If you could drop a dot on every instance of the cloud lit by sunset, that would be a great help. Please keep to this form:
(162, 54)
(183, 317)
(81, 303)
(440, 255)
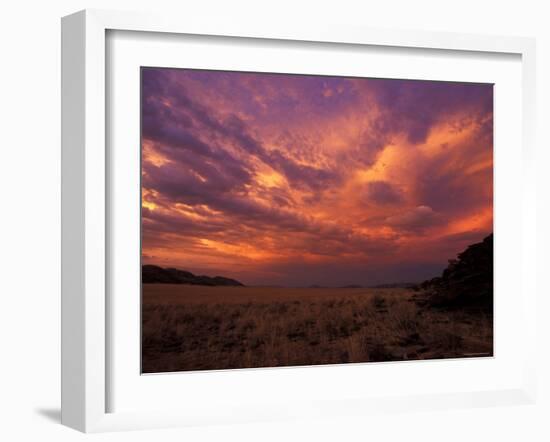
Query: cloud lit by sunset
(295, 180)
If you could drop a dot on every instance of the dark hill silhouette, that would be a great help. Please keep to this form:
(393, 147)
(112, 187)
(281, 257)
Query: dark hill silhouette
(467, 282)
(152, 274)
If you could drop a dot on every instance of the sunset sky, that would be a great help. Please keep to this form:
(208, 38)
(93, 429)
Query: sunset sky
(295, 180)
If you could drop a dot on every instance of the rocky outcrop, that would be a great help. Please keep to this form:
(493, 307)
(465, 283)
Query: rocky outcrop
(467, 282)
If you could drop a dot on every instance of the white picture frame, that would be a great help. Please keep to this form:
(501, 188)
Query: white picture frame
(85, 307)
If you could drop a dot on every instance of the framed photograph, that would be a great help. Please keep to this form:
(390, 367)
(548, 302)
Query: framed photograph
(262, 222)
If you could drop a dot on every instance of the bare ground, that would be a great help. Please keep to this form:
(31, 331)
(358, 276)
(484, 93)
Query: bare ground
(188, 327)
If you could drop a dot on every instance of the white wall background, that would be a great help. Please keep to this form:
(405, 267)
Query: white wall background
(30, 216)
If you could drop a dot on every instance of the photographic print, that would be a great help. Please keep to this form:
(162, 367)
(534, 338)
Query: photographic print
(292, 220)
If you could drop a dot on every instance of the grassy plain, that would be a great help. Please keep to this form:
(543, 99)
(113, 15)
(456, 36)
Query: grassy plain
(187, 327)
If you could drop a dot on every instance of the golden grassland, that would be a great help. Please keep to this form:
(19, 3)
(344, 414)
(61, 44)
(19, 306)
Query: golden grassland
(186, 327)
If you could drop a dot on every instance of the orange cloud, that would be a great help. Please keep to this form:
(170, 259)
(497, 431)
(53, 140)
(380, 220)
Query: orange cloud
(353, 180)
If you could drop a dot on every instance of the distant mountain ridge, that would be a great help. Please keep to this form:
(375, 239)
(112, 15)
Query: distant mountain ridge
(152, 274)
(394, 285)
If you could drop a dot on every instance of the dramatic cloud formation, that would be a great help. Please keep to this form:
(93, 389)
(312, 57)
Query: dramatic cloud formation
(299, 180)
